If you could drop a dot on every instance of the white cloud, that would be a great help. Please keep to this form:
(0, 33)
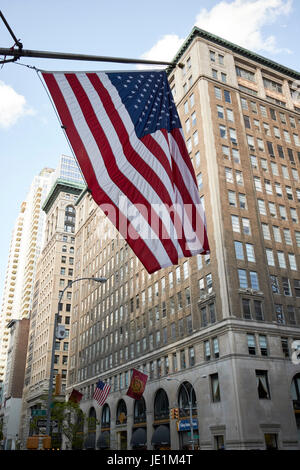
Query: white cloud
(165, 49)
(238, 21)
(241, 21)
(12, 106)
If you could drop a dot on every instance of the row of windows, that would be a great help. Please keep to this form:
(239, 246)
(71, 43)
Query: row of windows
(275, 115)
(264, 168)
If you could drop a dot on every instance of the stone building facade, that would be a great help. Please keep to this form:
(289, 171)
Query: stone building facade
(217, 334)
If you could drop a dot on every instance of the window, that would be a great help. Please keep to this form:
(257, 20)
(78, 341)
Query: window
(291, 315)
(281, 259)
(273, 114)
(245, 74)
(239, 177)
(279, 313)
(286, 286)
(270, 148)
(261, 207)
(215, 388)
(212, 56)
(270, 257)
(223, 132)
(274, 284)
(229, 114)
(191, 356)
(244, 103)
(207, 350)
(266, 231)
(247, 122)
(246, 226)
(216, 347)
(227, 96)
(271, 85)
(263, 345)
(294, 215)
(287, 236)
(239, 252)
(251, 344)
(250, 252)
(235, 223)
(232, 199)
(258, 310)
(262, 384)
(285, 347)
(246, 308)
(292, 261)
(257, 183)
(228, 175)
(220, 110)
(276, 232)
(218, 94)
(297, 287)
(242, 201)
(242, 273)
(254, 280)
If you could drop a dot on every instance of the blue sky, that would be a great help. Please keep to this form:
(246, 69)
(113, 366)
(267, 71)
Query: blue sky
(30, 135)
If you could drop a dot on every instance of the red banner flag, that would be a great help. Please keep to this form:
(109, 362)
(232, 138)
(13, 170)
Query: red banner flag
(75, 396)
(137, 384)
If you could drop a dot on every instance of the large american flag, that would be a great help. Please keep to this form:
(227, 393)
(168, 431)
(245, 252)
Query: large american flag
(127, 137)
(101, 391)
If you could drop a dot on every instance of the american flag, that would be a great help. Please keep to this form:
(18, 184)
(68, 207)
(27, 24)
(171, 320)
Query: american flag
(126, 135)
(101, 392)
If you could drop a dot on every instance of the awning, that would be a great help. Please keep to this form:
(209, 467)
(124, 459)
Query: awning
(161, 436)
(139, 437)
(103, 441)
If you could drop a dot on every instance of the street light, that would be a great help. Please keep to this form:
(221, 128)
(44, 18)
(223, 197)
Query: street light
(189, 394)
(70, 283)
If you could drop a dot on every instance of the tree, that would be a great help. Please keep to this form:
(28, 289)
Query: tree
(70, 422)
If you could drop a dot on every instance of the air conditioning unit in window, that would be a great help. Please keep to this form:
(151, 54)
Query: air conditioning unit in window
(251, 147)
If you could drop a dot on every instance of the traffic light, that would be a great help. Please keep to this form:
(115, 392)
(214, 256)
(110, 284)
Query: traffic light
(172, 414)
(176, 413)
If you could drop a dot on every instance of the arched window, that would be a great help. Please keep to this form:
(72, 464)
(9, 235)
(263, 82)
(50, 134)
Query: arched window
(186, 394)
(121, 417)
(140, 411)
(161, 405)
(295, 390)
(105, 418)
(69, 219)
(90, 441)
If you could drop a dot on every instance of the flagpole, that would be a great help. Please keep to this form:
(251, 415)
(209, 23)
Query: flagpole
(17, 53)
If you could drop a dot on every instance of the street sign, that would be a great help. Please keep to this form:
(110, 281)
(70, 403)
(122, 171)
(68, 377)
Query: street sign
(39, 413)
(184, 424)
(41, 423)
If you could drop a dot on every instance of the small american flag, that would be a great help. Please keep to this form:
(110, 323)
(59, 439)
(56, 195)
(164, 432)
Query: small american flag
(101, 392)
(127, 137)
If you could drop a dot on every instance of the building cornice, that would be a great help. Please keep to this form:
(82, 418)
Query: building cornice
(200, 33)
(61, 185)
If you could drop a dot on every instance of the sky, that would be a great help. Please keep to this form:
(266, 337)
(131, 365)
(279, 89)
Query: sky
(30, 135)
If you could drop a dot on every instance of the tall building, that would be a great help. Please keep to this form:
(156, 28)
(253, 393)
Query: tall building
(55, 268)
(215, 334)
(14, 380)
(25, 247)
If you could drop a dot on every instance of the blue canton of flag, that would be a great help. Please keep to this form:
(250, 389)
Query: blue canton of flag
(148, 100)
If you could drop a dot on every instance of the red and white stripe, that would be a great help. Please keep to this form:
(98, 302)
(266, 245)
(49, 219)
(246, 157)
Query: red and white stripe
(154, 173)
(101, 395)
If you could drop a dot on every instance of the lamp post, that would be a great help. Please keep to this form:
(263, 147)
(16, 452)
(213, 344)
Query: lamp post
(189, 395)
(70, 283)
